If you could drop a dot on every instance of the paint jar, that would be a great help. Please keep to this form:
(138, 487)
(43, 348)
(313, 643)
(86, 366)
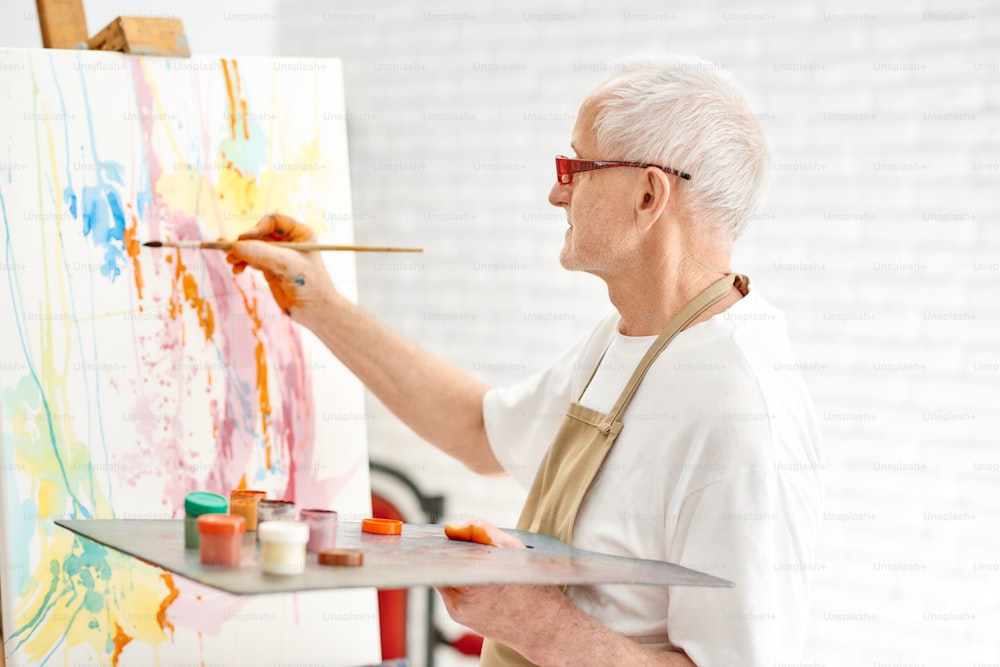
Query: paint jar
(283, 546)
(221, 537)
(274, 510)
(243, 502)
(196, 504)
(322, 528)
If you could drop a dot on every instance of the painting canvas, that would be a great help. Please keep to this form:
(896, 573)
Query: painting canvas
(130, 375)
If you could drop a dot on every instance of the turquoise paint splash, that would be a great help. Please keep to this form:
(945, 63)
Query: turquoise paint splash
(249, 156)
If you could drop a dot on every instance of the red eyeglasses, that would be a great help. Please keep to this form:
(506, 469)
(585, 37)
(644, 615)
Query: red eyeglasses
(567, 166)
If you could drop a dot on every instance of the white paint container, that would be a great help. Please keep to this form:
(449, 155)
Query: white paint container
(283, 546)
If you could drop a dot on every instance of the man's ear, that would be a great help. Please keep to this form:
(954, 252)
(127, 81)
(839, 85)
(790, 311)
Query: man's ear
(651, 198)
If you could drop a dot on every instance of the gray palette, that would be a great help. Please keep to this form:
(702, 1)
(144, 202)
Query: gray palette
(421, 556)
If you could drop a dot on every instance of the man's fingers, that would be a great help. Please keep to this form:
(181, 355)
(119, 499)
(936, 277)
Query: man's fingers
(483, 532)
(278, 227)
(272, 227)
(505, 540)
(268, 227)
(260, 255)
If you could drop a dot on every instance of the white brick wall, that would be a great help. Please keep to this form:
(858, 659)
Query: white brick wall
(881, 218)
(884, 210)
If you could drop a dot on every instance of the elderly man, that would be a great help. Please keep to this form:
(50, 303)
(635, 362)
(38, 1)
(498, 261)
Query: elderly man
(687, 436)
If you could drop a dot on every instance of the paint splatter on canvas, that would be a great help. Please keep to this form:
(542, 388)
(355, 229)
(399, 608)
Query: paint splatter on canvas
(129, 376)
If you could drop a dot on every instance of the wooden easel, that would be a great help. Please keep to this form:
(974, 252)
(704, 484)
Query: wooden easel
(64, 26)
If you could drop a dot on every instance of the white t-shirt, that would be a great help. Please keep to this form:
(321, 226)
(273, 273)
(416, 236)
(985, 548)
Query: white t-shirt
(718, 468)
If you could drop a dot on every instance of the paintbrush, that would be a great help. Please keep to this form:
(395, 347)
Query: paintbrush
(291, 245)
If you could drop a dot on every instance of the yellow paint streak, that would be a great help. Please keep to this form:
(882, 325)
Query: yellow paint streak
(47, 491)
(238, 194)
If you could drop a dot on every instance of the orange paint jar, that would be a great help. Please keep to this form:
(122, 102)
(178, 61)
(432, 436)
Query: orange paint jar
(221, 538)
(243, 502)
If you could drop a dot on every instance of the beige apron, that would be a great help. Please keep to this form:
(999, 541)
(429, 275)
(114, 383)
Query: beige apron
(580, 446)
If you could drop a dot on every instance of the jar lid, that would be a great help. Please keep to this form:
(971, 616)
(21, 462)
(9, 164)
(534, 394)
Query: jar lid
(197, 503)
(287, 532)
(341, 557)
(284, 504)
(380, 526)
(311, 513)
(221, 524)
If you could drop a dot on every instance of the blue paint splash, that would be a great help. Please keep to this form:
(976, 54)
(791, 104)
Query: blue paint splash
(100, 205)
(69, 198)
(104, 223)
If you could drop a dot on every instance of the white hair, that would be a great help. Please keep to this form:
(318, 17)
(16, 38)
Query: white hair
(691, 115)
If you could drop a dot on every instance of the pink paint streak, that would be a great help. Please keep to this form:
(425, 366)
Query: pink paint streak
(185, 358)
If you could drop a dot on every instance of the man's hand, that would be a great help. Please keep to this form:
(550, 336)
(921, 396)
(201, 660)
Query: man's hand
(502, 612)
(298, 280)
(540, 622)
(494, 611)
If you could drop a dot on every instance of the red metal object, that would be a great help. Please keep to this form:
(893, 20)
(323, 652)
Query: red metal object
(391, 603)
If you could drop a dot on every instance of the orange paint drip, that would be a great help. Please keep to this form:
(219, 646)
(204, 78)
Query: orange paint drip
(265, 400)
(262, 388)
(175, 305)
(175, 302)
(161, 615)
(206, 318)
(121, 640)
(252, 311)
(132, 247)
(184, 282)
(232, 100)
(243, 482)
(243, 112)
(243, 102)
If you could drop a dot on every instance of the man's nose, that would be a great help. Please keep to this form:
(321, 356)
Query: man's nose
(560, 194)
